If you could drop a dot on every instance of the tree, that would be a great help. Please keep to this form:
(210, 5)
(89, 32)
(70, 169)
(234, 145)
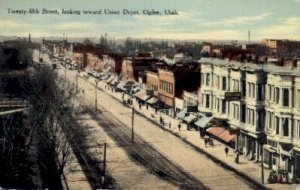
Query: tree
(51, 114)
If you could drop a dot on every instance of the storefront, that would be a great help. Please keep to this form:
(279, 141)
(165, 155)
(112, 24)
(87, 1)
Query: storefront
(189, 120)
(222, 134)
(297, 165)
(203, 123)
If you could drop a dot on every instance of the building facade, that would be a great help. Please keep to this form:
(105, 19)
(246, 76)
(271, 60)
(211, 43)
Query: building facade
(269, 105)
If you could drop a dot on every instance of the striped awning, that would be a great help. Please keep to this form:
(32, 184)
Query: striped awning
(222, 134)
(227, 136)
(215, 130)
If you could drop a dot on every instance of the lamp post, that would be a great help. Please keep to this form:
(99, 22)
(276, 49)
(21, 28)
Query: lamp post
(262, 139)
(96, 86)
(132, 125)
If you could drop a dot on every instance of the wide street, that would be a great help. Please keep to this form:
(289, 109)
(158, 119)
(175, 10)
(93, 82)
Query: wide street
(170, 147)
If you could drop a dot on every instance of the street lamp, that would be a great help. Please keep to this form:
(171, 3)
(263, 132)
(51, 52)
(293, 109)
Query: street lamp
(96, 86)
(262, 139)
(132, 125)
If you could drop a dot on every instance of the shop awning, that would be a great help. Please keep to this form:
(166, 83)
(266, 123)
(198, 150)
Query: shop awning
(190, 118)
(140, 95)
(152, 101)
(203, 121)
(111, 78)
(222, 133)
(226, 136)
(181, 115)
(105, 77)
(115, 80)
(121, 86)
(215, 130)
(286, 153)
(270, 148)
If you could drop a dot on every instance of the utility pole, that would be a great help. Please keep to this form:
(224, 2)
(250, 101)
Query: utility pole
(65, 72)
(132, 122)
(96, 81)
(77, 82)
(262, 163)
(104, 160)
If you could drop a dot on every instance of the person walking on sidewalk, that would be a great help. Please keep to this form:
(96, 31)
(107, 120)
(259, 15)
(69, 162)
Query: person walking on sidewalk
(226, 150)
(179, 126)
(170, 125)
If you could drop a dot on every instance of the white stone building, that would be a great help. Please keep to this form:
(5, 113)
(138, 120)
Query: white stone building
(269, 105)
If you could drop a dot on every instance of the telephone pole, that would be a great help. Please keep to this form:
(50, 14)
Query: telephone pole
(132, 124)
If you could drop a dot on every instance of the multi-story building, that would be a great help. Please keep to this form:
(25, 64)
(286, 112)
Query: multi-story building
(269, 104)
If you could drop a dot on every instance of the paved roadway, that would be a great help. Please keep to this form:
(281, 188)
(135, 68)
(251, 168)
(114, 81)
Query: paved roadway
(167, 148)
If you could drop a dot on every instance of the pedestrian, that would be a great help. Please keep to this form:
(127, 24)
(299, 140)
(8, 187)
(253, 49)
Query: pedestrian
(237, 158)
(179, 126)
(226, 150)
(82, 91)
(140, 106)
(205, 142)
(170, 125)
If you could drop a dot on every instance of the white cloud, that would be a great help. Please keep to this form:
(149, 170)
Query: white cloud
(216, 34)
(288, 29)
(74, 26)
(238, 20)
(12, 24)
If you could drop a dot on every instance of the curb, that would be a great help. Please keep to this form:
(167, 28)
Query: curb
(253, 183)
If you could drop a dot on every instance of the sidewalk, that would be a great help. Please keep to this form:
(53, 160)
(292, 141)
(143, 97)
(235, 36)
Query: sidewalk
(247, 169)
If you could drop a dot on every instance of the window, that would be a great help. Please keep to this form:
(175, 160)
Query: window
(207, 100)
(243, 113)
(249, 89)
(253, 90)
(270, 120)
(243, 88)
(298, 98)
(253, 117)
(260, 116)
(223, 83)
(259, 92)
(277, 95)
(223, 106)
(202, 78)
(285, 97)
(270, 91)
(277, 125)
(298, 127)
(285, 122)
(207, 79)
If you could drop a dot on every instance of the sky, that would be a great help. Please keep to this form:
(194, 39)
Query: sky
(196, 19)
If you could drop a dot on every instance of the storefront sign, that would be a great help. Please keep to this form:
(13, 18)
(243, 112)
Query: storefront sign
(232, 96)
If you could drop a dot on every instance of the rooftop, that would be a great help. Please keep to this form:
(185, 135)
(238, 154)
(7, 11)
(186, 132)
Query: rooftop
(251, 66)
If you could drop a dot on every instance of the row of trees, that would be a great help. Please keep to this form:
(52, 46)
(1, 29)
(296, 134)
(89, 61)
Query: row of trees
(48, 130)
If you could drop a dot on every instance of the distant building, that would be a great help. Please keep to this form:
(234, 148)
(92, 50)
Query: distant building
(283, 47)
